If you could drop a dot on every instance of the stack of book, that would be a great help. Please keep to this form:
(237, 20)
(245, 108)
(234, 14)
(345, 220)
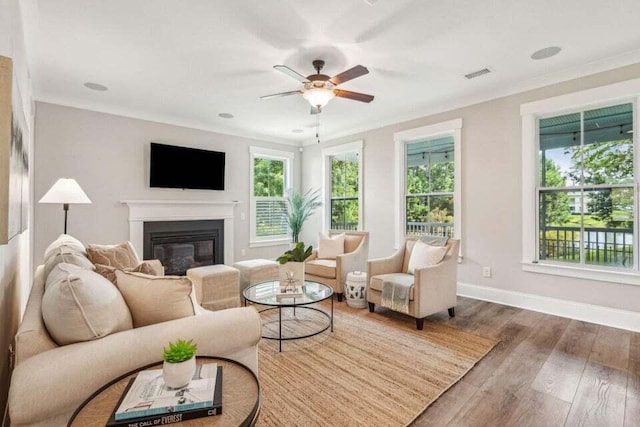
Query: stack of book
(146, 401)
(289, 291)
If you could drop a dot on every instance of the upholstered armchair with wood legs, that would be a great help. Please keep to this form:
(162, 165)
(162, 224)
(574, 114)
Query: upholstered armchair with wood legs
(332, 272)
(434, 288)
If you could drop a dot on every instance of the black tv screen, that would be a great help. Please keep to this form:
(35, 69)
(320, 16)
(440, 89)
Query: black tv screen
(182, 167)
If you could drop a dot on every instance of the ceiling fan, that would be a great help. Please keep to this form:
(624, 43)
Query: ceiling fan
(319, 88)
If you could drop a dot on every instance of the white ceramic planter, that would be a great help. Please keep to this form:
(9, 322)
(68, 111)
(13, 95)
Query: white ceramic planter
(178, 375)
(298, 272)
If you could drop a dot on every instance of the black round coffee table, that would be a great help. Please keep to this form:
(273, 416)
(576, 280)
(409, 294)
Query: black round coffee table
(266, 294)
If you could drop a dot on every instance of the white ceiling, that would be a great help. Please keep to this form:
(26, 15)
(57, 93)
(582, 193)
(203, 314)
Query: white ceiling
(183, 62)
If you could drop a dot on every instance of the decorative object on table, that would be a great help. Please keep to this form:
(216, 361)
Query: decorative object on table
(292, 261)
(355, 289)
(14, 156)
(68, 192)
(147, 401)
(299, 208)
(290, 287)
(179, 363)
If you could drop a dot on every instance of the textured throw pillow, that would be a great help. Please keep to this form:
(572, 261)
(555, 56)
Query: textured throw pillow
(65, 249)
(81, 305)
(118, 256)
(153, 299)
(424, 255)
(152, 267)
(330, 247)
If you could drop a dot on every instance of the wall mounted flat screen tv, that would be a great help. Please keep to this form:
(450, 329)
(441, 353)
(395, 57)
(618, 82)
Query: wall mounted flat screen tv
(182, 167)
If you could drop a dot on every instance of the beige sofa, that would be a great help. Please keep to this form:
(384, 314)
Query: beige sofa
(333, 272)
(50, 381)
(434, 288)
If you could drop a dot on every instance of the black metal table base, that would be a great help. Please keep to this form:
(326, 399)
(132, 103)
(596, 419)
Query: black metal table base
(280, 338)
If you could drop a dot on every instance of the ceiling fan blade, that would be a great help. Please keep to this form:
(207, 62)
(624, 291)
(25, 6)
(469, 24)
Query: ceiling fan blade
(315, 110)
(350, 74)
(356, 96)
(289, 72)
(278, 95)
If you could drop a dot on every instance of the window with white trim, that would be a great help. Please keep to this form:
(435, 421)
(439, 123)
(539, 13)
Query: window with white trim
(343, 187)
(428, 195)
(580, 177)
(270, 179)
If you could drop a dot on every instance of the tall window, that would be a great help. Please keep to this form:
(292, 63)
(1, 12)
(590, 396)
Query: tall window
(430, 182)
(342, 186)
(270, 178)
(586, 181)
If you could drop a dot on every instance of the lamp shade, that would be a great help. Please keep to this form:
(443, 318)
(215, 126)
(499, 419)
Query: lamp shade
(67, 191)
(318, 96)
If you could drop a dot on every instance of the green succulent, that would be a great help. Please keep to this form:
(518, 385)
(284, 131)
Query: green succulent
(297, 254)
(179, 351)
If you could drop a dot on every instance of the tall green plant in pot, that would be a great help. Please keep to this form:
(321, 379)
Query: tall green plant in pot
(299, 208)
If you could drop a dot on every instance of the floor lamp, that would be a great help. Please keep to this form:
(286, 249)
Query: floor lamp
(68, 192)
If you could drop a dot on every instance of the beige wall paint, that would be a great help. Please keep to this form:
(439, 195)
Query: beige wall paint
(491, 194)
(15, 270)
(109, 157)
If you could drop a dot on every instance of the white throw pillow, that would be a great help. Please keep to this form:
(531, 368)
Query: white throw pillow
(330, 247)
(66, 249)
(424, 255)
(81, 305)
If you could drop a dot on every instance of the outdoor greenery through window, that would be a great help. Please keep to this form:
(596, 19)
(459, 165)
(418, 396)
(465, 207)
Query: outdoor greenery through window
(269, 181)
(345, 180)
(586, 187)
(430, 187)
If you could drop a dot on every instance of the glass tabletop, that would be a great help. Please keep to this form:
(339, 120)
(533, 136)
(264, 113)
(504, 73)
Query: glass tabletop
(265, 294)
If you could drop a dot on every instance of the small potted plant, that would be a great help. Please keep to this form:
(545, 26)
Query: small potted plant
(179, 363)
(292, 263)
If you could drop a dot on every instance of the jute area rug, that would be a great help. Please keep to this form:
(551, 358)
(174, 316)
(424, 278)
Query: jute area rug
(375, 369)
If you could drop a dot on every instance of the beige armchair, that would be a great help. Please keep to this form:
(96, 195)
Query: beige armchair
(434, 288)
(333, 272)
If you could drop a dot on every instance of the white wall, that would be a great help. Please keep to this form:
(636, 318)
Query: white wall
(15, 271)
(491, 195)
(109, 157)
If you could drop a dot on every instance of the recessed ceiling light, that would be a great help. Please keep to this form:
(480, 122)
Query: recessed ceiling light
(96, 86)
(226, 115)
(545, 53)
(297, 130)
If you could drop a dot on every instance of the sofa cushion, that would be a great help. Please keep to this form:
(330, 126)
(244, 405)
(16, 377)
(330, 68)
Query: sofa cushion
(81, 305)
(155, 299)
(330, 247)
(376, 281)
(424, 255)
(119, 256)
(152, 267)
(321, 268)
(65, 249)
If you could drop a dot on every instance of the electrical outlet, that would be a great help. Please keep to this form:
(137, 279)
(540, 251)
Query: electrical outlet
(486, 271)
(243, 252)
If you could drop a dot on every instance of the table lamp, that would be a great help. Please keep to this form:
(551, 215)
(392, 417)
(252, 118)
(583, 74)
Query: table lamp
(68, 192)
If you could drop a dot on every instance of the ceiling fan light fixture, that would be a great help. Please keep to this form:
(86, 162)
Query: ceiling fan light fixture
(318, 96)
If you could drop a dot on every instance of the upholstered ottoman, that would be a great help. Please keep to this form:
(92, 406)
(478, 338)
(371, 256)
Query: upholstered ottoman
(256, 271)
(217, 286)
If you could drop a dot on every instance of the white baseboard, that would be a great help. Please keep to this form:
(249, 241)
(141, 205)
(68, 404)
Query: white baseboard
(616, 318)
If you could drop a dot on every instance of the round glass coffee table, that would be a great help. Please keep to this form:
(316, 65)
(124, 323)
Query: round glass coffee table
(266, 293)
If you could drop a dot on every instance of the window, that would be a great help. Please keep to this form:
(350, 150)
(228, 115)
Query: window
(270, 179)
(428, 181)
(579, 177)
(586, 187)
(342, 188)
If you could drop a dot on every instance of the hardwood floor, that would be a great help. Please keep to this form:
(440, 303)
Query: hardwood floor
(546, 371)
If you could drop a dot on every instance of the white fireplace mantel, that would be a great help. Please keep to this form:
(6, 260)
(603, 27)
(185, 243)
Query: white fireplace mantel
(141, 211)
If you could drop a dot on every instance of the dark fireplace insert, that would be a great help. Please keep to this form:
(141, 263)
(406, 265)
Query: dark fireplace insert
(181, 245)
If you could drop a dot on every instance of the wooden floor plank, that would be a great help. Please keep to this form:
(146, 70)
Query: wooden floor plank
(499, 397)
(600, 399)
(447, 406)
(611, 348)
(632, 410)
(561, 373)
(539, 409)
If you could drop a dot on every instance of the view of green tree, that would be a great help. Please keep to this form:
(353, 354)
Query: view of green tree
(268, 177)
(554, 206)
(344, 192)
